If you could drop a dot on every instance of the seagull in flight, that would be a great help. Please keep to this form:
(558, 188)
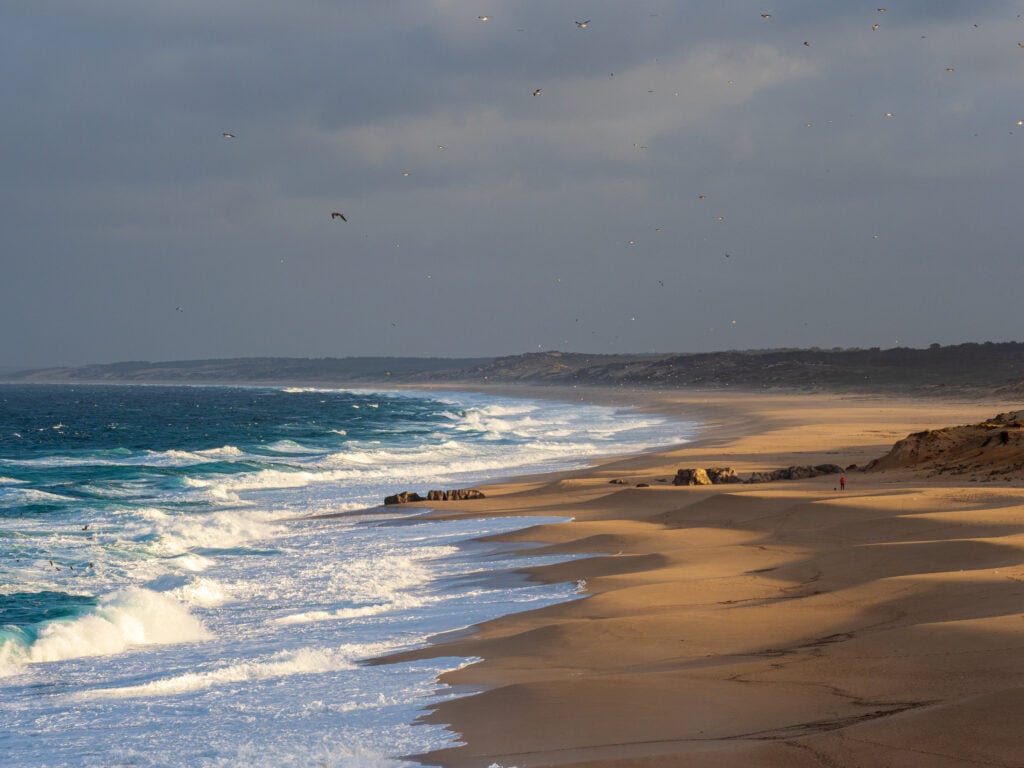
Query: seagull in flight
(337, 215)
(582, 24)
(228, 135)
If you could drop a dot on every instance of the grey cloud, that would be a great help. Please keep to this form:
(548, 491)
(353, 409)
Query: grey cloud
(120, 200)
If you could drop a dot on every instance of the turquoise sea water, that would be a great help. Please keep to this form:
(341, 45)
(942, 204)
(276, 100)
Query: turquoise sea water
(171, 594)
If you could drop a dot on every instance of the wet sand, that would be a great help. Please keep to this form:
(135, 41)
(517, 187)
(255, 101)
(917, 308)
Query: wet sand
(788, 623)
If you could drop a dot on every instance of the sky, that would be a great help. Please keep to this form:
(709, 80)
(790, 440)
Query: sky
(672, 176)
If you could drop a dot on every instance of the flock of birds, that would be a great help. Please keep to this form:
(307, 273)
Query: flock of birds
(584, 24)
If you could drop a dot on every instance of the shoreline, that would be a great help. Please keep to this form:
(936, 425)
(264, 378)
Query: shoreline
(765, 624)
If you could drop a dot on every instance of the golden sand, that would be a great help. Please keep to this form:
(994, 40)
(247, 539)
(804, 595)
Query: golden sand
(778, 624)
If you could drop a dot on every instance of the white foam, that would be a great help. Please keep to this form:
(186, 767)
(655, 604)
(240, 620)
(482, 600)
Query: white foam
(291, 447)
(203, 592)
(172, 458)
(379, 583)
(220, 493)
(252, 481)
(400, 602)
(129, 617)
(281, 664)
(192, 562)
(13, 495)
(224, 452)
(178, 458)
(179, 534)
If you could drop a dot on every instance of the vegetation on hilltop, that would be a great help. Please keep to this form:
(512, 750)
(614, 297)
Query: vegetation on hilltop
(938, 369)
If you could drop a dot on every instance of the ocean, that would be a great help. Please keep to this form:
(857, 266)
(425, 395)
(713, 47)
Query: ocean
(173, 594)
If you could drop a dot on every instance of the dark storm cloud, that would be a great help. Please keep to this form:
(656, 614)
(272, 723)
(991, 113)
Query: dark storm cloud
(862, 185)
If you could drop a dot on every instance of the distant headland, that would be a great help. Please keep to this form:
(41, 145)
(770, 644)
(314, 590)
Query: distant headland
(941, 370)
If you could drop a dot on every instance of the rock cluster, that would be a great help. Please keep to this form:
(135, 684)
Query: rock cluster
(457, 494)
(708, 476)
(403, 497)
(722, 475)
(794, 473)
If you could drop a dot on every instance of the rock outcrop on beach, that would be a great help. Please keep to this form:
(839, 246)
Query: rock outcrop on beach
(403, 498)
(723, 475)
(794, 473)
(456, 494)
(706, 476)
(992, 449)
(691, 476)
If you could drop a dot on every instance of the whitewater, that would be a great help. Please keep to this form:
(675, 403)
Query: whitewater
(197, 575)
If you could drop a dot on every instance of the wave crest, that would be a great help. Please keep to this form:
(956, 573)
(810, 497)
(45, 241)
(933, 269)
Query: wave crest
(129, 617)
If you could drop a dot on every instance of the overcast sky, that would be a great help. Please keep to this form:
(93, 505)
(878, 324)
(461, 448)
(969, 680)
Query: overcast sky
(691, 176)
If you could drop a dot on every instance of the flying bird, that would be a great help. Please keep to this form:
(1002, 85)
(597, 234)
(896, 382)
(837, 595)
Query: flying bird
(228, 135)
(766, 15)
(536, 92)
(484, 18)
(582, 24)
(337, 215)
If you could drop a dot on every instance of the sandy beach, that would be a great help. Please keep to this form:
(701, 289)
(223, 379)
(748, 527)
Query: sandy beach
(788, 623)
